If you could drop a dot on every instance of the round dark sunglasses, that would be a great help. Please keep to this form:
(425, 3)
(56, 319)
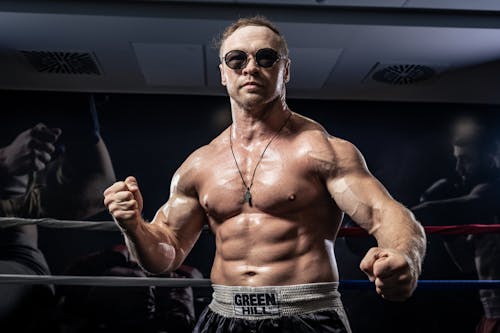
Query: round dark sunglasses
(237, 59)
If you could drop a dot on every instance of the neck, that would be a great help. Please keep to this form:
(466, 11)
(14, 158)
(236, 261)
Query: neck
(258, 122)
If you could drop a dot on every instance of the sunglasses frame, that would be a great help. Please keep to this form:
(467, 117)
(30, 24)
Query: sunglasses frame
(245, 63)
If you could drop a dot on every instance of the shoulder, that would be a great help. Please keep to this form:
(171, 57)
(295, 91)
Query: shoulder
(327, 153)
(325, 146)
(309, 129)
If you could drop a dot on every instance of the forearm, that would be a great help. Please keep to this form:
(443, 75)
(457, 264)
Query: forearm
(396, 228)
(152, 248)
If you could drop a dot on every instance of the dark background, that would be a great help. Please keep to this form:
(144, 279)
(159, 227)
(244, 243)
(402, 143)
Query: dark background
(406, 146)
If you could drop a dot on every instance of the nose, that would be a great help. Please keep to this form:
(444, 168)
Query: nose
(251, 66)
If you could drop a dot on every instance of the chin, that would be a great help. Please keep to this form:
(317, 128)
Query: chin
(251, 101)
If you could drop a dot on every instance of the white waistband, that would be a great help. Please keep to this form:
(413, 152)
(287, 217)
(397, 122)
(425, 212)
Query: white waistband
(254, 303)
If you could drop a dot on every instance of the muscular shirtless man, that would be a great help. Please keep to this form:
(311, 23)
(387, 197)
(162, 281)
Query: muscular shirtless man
(273, 188)
(471, 195)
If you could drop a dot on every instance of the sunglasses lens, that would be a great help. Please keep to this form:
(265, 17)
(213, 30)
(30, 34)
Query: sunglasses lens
(235, 59)
(266, 57)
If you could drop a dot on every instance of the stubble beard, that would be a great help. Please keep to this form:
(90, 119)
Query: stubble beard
(249, 101)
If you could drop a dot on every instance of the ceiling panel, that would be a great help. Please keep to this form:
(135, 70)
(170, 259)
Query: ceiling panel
(310, 67)
(171, 64)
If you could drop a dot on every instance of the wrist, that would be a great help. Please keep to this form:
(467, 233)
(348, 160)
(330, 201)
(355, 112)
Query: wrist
(131, 227)
(414, 264)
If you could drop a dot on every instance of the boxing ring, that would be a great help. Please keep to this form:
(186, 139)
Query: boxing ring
(7, 222)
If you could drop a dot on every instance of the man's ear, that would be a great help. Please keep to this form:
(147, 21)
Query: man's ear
(222, 75)
(286, 76)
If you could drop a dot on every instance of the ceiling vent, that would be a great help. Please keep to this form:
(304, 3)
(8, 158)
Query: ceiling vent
(58, 62)
(402, 74)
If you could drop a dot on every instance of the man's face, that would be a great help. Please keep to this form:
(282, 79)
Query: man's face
(471, 164)
(254, 85)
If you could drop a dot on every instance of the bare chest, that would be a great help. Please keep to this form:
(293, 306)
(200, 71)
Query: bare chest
(278, 184)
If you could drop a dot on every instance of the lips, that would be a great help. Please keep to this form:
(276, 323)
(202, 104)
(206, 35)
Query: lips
(251, 84)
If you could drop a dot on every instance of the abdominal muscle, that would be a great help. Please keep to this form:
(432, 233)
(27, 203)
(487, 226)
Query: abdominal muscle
(262, 250)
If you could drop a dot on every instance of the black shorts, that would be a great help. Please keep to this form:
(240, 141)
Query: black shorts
(321, 321)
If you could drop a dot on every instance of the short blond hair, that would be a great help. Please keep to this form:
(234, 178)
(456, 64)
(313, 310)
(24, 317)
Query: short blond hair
(259, 21)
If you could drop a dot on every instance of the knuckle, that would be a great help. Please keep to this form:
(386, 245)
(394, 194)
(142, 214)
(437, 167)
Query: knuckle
(125, 204)
(112, 207)
(119, 185)
(131, 204)
(109, 202)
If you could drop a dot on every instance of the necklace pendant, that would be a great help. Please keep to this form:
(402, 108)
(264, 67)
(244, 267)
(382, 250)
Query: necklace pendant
(248, 197)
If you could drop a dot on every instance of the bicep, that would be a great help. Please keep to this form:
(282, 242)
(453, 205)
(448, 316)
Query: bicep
(181, 219)
(355, 190)
(360, 195)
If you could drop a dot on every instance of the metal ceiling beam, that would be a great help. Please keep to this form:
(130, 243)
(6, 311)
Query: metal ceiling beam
(282, 13)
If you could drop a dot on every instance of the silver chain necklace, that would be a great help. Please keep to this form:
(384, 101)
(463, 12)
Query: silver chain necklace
(247, 197)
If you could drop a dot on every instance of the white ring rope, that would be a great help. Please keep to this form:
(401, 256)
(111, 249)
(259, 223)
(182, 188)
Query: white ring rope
(111, 281)
(7, 222)
(47, 222)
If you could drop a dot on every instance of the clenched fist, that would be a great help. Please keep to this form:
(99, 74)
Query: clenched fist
(394, 276)
(30, 151)
(124, 201)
